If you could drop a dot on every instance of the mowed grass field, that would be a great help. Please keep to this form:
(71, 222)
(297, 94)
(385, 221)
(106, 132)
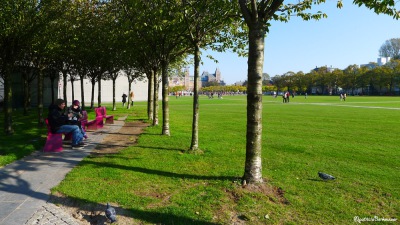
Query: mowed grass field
(158, 182)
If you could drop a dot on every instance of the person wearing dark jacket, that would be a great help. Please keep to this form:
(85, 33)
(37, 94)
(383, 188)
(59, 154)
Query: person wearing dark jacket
(75, 119)
(58, 120)
(124, 99)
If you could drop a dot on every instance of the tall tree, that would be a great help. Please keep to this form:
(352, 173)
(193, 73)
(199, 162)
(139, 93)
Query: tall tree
(393, 77)
(337, 74)
(299, 82)
(208, 22)
(170, 45)
(18, 24)
(28, 73)
(257, 16)
(22, 21)
(391, 48)
(351, 74)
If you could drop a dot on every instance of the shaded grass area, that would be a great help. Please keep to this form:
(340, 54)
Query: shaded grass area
(29, 136)
(158, 182)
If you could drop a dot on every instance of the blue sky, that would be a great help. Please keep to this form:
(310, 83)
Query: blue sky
(351, 35)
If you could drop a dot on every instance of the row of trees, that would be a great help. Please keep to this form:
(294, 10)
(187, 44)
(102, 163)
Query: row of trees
(97, 38)
(372, 79)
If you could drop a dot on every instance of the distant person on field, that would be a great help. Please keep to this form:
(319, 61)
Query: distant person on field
(131, 96)
(58, 119)
(124, 96)
(341, 96)
(287, 97)
(344, 97)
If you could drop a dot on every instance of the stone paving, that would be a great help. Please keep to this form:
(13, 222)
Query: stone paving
(51, 214)
(25, 184)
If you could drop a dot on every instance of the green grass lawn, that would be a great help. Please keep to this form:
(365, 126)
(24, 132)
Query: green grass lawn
(28, 137)
(158, 183)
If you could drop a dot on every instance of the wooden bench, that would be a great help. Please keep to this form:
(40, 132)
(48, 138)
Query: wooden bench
(54, 141)
(102, 112)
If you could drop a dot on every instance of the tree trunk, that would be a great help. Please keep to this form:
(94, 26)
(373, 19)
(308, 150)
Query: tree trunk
(52, 88)
(155, 101)
(82, 93)
(93, 81)
(253, 165)
(195, 123)
(29, 96)
(99, 91)
(150, 94)
(72, 89)
(165, 106)
(114, 105)
(129, 91)
(40, 98)
(27, 77)
(64, 73)
(8, 129)
(26, 94)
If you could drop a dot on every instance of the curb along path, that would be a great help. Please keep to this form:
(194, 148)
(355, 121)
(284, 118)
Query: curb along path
(25, 184)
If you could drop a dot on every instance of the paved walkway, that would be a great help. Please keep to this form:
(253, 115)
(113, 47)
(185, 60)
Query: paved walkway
(25, 184)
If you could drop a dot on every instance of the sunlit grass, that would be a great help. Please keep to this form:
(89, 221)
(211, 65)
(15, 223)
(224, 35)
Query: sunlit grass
(159, 183)
(358, 145)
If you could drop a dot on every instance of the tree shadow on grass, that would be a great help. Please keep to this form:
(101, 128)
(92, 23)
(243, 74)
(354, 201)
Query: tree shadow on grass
(161, 148)
(158, 172)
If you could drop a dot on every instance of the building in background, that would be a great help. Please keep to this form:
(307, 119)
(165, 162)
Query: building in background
(383, 60)
(187, 80)
(214, 78)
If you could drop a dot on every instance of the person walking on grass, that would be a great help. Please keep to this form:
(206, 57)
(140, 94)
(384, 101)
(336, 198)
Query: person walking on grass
(58, 119)
(131, 96)
(124, 99)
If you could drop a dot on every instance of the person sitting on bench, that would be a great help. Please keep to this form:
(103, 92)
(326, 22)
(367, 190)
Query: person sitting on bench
(58, 120)
(77, 114)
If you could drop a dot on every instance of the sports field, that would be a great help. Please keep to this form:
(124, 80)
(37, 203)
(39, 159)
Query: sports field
(357, 141)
